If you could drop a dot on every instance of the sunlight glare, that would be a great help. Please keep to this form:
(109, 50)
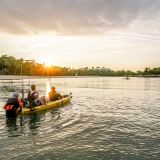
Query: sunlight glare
(47, 88)
(47, 61)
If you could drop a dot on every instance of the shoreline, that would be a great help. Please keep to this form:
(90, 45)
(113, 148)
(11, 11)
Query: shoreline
(19, 77)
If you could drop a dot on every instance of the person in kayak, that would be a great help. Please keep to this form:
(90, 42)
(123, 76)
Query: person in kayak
(33, 97)
(13, 105)
(53, 95)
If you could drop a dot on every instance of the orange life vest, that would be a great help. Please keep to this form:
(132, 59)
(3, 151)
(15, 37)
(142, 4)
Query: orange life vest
(12, 104)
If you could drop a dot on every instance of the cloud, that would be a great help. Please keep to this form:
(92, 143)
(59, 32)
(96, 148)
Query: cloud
(75, 17)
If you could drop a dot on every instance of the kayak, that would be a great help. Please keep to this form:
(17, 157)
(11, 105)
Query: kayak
(50, 105)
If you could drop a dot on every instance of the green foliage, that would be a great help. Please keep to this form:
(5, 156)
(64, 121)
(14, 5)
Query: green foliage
(12, 66)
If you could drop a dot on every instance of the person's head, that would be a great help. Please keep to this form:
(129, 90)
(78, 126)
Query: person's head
(53, 88)
(33, 87)
(15, 95)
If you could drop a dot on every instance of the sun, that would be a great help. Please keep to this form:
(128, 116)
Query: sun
(47, 61)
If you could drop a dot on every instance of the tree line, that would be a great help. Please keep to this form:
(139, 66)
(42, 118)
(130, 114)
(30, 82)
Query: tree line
(12, 66)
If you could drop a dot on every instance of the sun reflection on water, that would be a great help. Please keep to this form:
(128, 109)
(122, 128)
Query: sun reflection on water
(47, 88)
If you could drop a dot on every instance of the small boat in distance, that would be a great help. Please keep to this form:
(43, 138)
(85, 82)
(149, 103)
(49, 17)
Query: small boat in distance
(127, 78)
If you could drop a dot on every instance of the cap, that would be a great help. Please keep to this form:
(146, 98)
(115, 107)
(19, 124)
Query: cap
(15, 95)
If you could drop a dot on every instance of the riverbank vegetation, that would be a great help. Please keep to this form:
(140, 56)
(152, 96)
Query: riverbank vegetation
(12, 66)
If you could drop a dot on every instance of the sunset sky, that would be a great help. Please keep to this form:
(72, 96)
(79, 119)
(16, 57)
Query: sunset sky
(117, 34)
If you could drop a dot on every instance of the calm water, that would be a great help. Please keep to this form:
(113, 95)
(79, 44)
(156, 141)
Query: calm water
(108, 119)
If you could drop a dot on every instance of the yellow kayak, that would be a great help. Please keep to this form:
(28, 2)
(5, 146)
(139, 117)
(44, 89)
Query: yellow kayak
(49, 105)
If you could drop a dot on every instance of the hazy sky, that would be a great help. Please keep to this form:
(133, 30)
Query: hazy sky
(76, 33)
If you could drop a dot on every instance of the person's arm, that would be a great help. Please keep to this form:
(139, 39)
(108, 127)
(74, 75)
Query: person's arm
(36, 95)
(29, 94)
(60, 96)
(20, 105)
(4, 107)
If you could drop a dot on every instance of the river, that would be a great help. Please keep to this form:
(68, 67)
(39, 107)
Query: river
(109, 118)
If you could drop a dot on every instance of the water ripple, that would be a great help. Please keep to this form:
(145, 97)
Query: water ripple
(108, 118)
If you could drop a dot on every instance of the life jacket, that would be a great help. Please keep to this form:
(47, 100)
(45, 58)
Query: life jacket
(33, 96)
(12, 104)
